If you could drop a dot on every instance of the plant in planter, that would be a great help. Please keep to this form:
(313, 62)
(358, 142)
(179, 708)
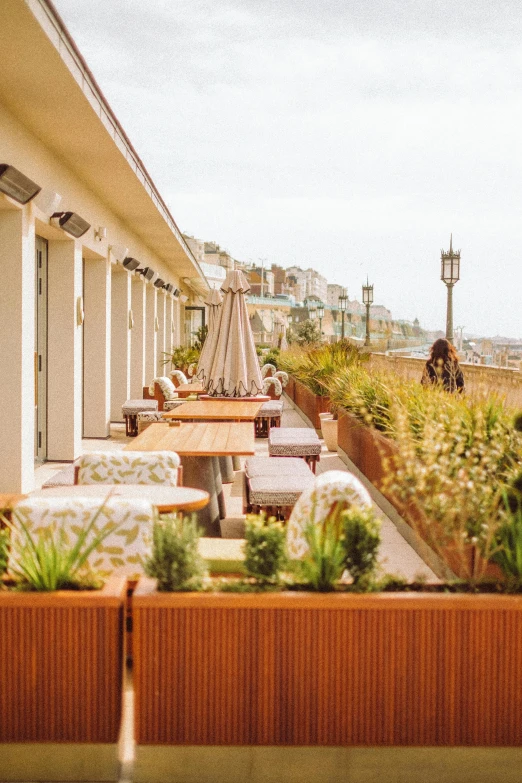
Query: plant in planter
(264, 549)
(361, 541)
(181, 358)
(174, 560)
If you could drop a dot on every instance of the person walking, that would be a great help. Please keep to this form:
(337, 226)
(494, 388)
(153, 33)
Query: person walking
(442, 368)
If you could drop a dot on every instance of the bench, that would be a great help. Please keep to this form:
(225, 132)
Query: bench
(300, 442)
(268, 416)
(274, 485)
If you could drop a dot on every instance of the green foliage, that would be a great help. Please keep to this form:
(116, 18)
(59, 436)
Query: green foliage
(324, 562)
(272, 357)
(175, 561)
(508, 538)
(200, 335)
(4, 546)
(264, 548)
(317, 367)
(304, 333)
(517, 422)
(181, 358)
(47, 560)
(361, 539)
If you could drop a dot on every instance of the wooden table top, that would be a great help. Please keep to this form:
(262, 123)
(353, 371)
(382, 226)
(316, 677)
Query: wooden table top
(184, 389)
(217, 410)
(165, 498)
(198, 439)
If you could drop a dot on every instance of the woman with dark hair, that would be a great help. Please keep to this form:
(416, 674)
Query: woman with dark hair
(442, 368)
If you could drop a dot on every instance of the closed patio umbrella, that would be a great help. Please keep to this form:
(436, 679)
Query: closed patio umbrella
(214, 301)
(279, 335)
(234, 370)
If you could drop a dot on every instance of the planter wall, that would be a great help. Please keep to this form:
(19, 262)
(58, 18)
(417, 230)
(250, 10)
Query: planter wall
(61, 671)
(311, 404)
(327, 670)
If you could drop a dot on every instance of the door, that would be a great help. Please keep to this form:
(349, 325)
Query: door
(194, 323)
(40, 352)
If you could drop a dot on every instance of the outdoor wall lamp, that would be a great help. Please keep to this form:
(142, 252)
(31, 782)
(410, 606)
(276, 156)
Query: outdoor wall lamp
(146, 272)
(75, 225)
(176, 293)
(169, 288)
(159, 283)
(130, 263)
(16, 185)
(100, 233)
(48, 201)
(119, 252)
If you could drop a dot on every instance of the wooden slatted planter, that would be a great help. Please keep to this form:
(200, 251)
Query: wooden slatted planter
(310, 404)
(341, 670)
(61, 673)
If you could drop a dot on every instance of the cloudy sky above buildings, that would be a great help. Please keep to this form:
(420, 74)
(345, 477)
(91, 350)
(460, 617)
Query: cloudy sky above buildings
(351, 136)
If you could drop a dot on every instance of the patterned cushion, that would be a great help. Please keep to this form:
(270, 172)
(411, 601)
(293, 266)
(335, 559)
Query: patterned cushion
(132, 407)
(268, 369)
(121, 553)
(272, 409)
(150, 416)
(293, 442)
(167, 387)
(178, 377)
(169, 405)
(278, 490)
(276, 466)
(129, 467)
(282, 377)
(314, 504)
(268, 383)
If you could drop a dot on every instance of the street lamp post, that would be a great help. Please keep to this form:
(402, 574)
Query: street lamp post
(450, 274)
(320, 315)
(343, 304)
(367, 295)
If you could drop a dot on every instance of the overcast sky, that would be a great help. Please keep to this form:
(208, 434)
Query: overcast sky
(349, 136)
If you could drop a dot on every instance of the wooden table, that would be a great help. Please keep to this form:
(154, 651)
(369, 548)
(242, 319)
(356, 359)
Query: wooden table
(166, 499)
(200, 444)
(185, 389)
(216, 410)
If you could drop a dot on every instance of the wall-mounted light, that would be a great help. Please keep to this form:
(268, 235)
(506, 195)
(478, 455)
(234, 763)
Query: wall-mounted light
(119, 251)
(100, 233)
(147, 273)
(176, 293)
(48, 201)
(80, 313)
(16, 185)
(169, 288)
(75, 225)
(183, 298)
(131, 319)
(159, 283)
(156, 324)
(131, 264)
(172, 326)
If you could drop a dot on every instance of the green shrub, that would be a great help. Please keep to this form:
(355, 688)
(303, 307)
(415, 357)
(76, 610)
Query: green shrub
(324, 562)
(264, 548)
(508, 538)
(272, 357)
(4, 546)
(361, 539)
(181, 358)
(175, 561)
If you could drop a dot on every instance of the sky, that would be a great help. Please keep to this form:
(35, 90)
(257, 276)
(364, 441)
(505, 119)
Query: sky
(350, 136)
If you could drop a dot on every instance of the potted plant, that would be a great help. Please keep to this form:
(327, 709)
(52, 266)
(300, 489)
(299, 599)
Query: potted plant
(61, 656)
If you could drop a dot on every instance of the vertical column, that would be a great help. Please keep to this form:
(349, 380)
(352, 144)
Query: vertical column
(137, 369)
(150, 333)
(64, 346)
(96, 348)
(170, 344)
(161, 336)
(120, 341)
(17, 367)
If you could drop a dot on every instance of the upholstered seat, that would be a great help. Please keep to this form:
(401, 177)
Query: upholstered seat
(276, 466)
(274, 485)
(295, 442)
(129, 467)
(269, 416)
(315, 503)
(121, 553)
(130, 410)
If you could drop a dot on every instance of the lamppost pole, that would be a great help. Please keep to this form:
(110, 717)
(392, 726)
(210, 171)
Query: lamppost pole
(320, 315)
(450, 274)
(367, 294)
(343, 303)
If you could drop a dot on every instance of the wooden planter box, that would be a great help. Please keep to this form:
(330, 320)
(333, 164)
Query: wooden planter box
(318, 672)
(310, 404)
(290, 388)
(61, 673)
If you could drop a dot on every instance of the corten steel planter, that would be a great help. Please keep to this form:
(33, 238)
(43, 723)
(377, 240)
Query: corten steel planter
(310, 404)
(325, 670)
(290, 388)
(61, 672)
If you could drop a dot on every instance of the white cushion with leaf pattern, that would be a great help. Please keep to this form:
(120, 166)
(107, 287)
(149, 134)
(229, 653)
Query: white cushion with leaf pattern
(282, 377)
(121, 553)
(267, 369)
(315, 503)
(129, 467)
(178, 377)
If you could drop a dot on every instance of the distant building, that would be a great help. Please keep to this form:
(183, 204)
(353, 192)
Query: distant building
(333, 292)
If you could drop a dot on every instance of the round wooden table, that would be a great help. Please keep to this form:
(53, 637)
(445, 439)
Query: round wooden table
(165, 499)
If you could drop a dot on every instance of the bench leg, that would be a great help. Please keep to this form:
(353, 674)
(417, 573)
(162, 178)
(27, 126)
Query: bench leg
(131, 425)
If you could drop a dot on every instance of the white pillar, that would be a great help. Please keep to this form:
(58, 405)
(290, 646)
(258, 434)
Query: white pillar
(150, 334)
(137, 372)
(65, 333)
(17, 366)
(161, 336)
(96, 348)
(120, 341)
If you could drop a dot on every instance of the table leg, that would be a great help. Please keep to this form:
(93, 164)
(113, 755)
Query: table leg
(227, 470)
(236, 463)
(204, 473)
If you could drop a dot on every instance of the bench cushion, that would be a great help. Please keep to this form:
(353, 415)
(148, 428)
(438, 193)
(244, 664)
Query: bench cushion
(278, 490)
(276, 466)
(132, 407)
(293, 442)
(274, 408)
(150, 416)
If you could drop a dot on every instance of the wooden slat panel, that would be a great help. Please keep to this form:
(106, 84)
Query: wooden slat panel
(230, 672)
(61, 668)
(217, 410)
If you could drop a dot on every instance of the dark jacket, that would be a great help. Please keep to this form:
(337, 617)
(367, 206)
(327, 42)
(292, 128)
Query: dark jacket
(449, 375)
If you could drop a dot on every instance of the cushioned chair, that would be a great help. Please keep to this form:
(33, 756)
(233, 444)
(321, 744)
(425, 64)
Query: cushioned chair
(121, 553)
(130, 410)
(129, 467)
(295, 442)
(269, 416)
(177, 377)
(273, 387)
(330, 487)
(161, 389)
(275, 485)
(267, 370)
